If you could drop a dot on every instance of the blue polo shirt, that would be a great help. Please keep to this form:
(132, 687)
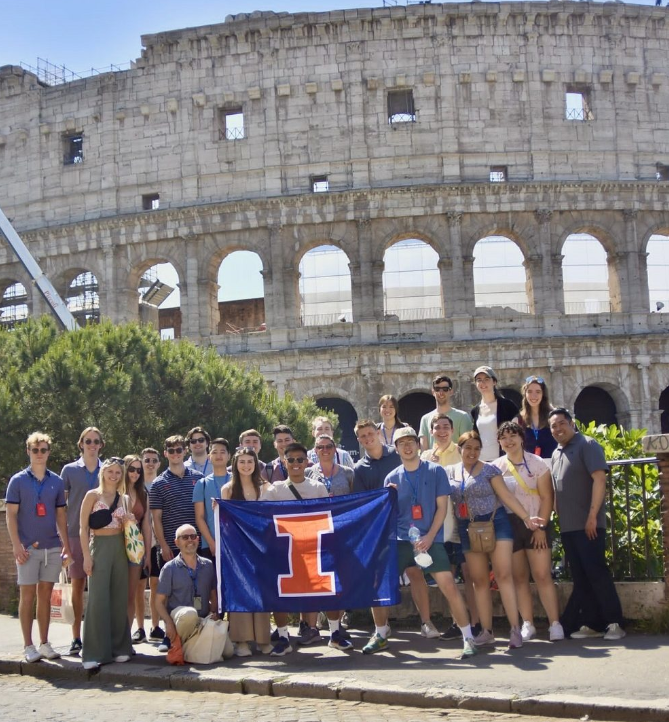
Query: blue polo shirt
(78, 481)
(180, 584)
(205, 490)
(174, 496)
(369, 474)
(27, 491)
(422, 487)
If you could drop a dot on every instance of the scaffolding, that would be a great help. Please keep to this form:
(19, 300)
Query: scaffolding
(50, 74)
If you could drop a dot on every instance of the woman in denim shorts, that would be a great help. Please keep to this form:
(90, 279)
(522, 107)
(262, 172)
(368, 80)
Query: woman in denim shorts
(476, 490)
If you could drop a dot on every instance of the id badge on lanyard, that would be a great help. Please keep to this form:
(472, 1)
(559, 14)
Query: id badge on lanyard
(416, 511)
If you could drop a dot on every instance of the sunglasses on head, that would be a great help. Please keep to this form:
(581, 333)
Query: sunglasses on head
(40, 450)
(296, 459)
(199, 440)
(95, 442)
(135, 469)
(116, 460)
(189, 537)
(174, 449)
(538, 379)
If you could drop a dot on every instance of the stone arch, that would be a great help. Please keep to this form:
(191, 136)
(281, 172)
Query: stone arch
(14, 302)
(656, 247)
(578, 278)
(81, 293)
(414, 405)
(148, 294)
(412, 285)
(595, 404)
(612, 388)
(513, 394)
(240, 293)
(477, 231)
(418, 234)
(502, 275)
(324, 285)
(348, 416)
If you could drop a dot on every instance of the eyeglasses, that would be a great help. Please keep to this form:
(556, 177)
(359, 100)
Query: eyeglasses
(116, 460)
(200, 440)
(44, 450)
(538, 379)
(296, 459)
(134, 469)
(150, 461)
(95, 442)
(442, 388)
(175, 450)
(328, 447)
(189, 537)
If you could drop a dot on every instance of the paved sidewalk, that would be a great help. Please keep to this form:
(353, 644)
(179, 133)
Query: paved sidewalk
(574, 678)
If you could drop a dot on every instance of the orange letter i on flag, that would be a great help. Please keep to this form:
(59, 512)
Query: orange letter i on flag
(304, 532)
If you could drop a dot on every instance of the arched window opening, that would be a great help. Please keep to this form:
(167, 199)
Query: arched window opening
(658, 273)
(325, 287)
(585, 275)
(499, 276)
(411, 281)
(348, 417)
(595, 404)
(83, 299)
(160, 299)
(414, 406)
(241, 293)
(13, 305)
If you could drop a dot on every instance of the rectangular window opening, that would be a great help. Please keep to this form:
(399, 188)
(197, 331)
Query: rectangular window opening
(578, 104)
(231, 124)
(167, 334)
(499, 173)
(320, 184)
(662, 172)
(73, 149)
(401, 108)
(151, 202)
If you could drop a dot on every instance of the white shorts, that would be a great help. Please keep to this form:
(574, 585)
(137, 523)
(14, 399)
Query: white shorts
(43, 565)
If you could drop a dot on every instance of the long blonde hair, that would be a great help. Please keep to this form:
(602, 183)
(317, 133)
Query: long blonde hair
(120, 488)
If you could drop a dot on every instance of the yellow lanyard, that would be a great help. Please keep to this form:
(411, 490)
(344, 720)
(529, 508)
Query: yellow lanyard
(520, 479)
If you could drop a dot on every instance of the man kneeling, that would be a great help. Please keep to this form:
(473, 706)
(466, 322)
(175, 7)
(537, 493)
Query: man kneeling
(186, 589)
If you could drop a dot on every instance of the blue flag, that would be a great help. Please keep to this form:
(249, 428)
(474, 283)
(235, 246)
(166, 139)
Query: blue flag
(308, 556)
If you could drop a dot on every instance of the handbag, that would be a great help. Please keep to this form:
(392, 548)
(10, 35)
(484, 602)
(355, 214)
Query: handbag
(61, 601)
(208, 643)
(134, 541)
(481, 533)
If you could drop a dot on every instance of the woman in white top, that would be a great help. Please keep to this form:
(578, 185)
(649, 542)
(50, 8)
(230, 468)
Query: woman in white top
(389, 410)
(528, 477)
(491, 412)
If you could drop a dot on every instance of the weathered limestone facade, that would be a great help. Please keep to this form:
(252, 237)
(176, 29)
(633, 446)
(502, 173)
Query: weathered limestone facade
(488, 83)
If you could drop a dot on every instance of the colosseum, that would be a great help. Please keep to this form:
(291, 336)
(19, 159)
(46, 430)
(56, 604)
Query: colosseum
(434, 130)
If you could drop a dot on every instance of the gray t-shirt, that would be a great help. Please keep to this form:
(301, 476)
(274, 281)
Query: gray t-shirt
(462, 421)
(572, 467)
(78, 481)
(180, 585)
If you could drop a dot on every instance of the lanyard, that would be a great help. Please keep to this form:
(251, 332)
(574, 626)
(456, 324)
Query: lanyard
(383, 429)
(193, 577)
(38, 486)
(417, 474)
(327, 480)
(519, 478)
(284, 470)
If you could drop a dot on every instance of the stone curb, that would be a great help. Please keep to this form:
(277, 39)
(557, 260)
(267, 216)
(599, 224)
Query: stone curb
(562, 706)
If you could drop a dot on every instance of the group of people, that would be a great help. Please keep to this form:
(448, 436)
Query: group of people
(511, 467)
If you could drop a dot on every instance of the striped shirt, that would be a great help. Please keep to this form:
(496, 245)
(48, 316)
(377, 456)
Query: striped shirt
(174, 496)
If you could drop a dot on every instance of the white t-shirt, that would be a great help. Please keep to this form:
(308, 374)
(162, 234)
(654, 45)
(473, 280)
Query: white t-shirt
(487, 426)
(537, 466)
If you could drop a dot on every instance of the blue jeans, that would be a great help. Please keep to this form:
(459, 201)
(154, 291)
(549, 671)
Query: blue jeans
(594, 601)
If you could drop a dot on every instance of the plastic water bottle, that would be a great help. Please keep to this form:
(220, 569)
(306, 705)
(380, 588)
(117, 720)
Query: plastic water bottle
(423, 559)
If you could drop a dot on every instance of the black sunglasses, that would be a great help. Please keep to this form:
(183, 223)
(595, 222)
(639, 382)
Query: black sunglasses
(296, 459)
(175, 450)
(200, 440)
(135, 469)
(96, 442)
(189, 537)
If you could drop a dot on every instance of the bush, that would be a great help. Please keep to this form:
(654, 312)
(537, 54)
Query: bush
(135, 387)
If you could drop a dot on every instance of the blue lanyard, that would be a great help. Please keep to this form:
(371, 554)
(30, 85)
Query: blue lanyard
(417, 474)
(38, 486)
(383, 429)
(193, 577)
(536, 433)
(524, 463)
(284, 470)
(327, 480)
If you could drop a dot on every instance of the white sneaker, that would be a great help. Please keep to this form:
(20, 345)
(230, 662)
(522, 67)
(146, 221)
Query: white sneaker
(428, 630)
(32, 654)
(242, 649)
(48, 652)
(529, 631)
(266, 648)
(613, 631)
(555, 632)
(586, 633)
(91, 665)
(122, 658)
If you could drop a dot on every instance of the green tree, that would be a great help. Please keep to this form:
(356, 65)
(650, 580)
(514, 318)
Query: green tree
(135, 387)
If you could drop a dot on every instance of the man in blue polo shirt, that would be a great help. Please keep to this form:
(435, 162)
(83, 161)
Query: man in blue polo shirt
(422, 496)
(79, 478)
(186, 588)
(171, 497)
(37, 526)
(378, 460)
(209, 488)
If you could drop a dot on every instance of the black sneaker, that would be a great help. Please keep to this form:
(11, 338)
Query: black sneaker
(453, 632)
(476, 629)
(164, 646)
(139, 636)
(274, 638)
(75, 647)
(157, 634)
